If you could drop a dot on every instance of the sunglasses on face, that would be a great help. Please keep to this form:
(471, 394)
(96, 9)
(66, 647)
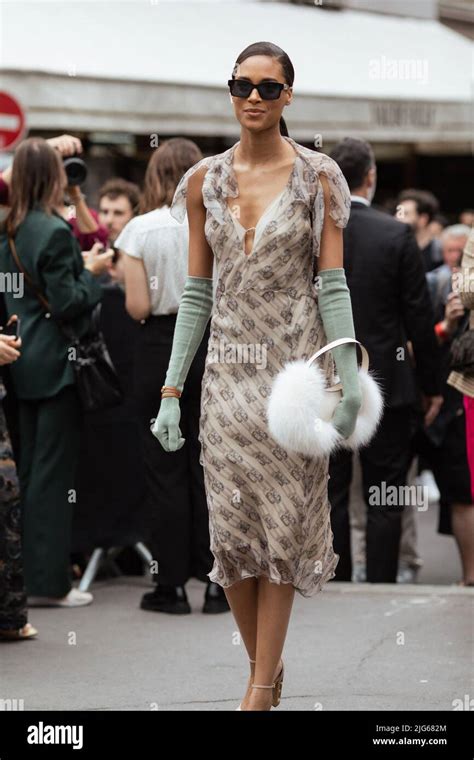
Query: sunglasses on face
(241, 88)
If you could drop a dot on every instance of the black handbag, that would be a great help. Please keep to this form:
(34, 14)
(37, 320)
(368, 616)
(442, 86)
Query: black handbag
(462, 351)
(97, 382)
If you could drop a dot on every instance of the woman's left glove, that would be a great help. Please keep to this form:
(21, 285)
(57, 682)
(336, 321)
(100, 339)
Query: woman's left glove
(336, 313)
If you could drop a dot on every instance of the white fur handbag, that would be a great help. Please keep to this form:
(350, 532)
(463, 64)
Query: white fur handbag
(300, 407)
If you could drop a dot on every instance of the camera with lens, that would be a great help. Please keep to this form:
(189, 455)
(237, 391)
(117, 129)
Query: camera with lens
(76, 170)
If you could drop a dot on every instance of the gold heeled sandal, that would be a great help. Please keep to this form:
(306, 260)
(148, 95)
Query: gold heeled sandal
(276, 686)
(240, 706)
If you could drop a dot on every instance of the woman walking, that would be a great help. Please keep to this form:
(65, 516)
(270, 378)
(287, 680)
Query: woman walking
(269, 211)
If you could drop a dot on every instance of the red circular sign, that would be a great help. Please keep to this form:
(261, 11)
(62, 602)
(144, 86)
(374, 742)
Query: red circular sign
(12, 121)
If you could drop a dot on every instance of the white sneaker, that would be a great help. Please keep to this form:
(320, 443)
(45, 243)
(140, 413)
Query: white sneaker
(74, 598)
(359, 573)
(407, 573)
(427, 481)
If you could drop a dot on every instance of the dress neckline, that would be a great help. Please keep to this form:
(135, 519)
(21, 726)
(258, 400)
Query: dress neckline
(262, 217)
(235, 186)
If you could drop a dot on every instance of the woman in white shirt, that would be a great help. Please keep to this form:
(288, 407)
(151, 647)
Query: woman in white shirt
(155, 268)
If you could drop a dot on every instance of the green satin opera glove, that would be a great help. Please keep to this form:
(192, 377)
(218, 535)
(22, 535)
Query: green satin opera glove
(195, 308)
(336, 313)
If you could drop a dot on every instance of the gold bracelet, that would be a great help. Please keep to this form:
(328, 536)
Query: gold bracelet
(168, 391)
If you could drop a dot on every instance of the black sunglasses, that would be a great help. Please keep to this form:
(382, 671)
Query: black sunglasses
(241, 88)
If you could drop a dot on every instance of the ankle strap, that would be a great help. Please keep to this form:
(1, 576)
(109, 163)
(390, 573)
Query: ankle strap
(257, 686)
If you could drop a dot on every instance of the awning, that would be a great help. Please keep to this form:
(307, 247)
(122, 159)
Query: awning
(161, 68)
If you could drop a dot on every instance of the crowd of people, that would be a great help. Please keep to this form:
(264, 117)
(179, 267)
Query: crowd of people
(71, 481)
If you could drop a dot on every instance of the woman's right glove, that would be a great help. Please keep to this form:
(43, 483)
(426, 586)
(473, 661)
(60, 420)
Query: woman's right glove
(195, 308)
(166, 427)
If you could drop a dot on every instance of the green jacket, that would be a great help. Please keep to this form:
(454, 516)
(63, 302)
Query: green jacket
(52, 257)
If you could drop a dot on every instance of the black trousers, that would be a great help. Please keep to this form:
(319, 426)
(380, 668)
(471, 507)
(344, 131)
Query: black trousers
(177, 508)
(49, 440)
(384, 462)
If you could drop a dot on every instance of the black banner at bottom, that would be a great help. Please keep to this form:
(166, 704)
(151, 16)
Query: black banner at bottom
(423, 734)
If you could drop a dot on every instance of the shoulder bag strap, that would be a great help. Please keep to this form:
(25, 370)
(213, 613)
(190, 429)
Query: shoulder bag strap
(27, 277)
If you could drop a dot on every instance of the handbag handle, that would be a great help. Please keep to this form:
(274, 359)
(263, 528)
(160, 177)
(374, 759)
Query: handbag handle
(339, 342)
(27, 277)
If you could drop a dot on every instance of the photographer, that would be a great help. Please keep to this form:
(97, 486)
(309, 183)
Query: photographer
(38, 242)
(84, 221)
(66, 145)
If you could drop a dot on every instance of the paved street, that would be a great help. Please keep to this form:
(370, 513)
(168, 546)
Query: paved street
(343, 652)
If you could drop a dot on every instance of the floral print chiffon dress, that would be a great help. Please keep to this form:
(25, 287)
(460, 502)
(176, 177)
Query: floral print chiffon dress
(269, 512)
